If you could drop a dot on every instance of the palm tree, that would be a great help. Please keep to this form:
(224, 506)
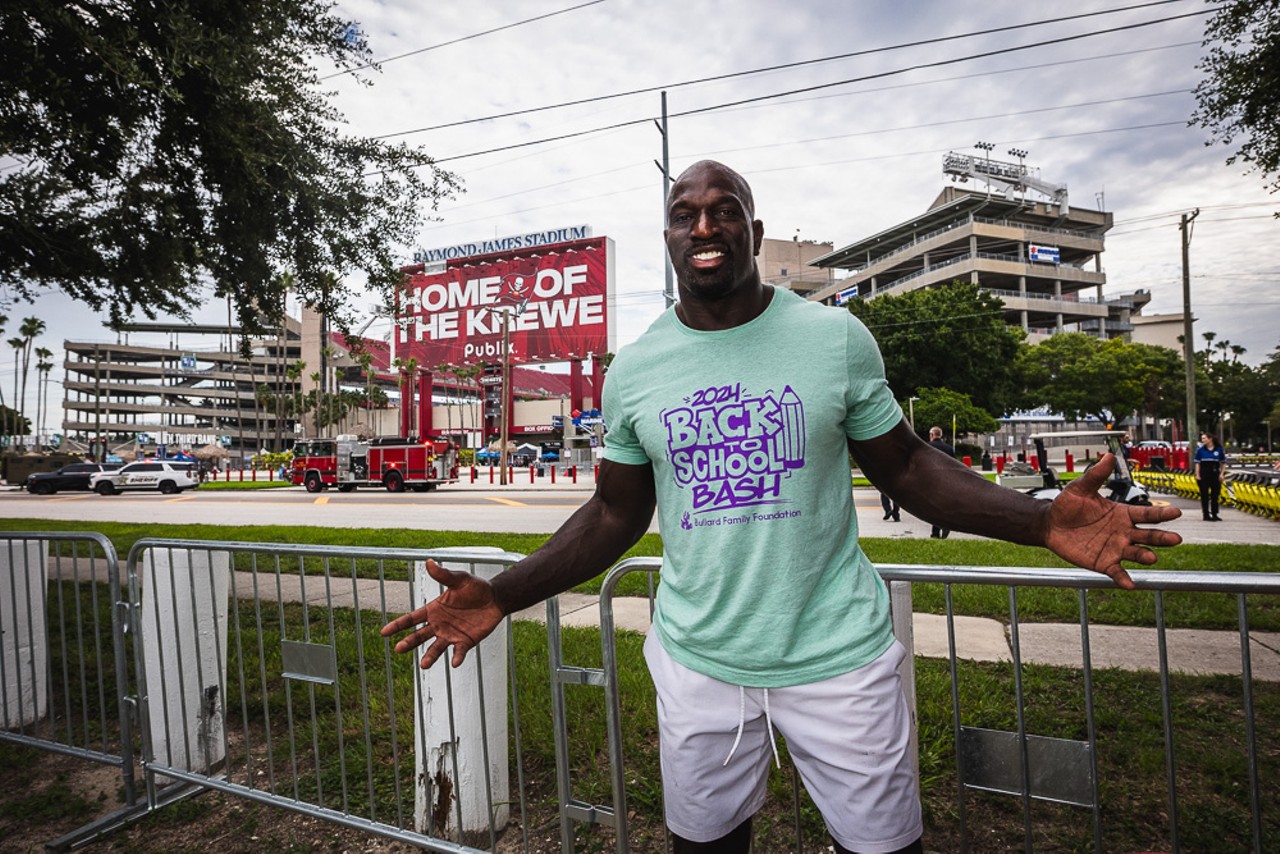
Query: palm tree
(246, 352)
(472, 373)
(4, 413)
(327, 354)
(445, 369)
(18, 345)
(365, 360)
(318, 402)
(30, 328)
(408, 370)
(43, 367)
(293, 373)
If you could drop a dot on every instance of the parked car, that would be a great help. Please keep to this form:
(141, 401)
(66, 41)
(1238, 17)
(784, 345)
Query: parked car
(1156, 444)
(167, 476)
(74, 476)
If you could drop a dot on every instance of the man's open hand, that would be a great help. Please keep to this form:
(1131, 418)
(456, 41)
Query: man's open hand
(1093, 532)
(462, 616)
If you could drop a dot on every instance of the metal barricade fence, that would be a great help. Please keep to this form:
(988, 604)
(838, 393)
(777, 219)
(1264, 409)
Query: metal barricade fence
(63, 660)
(1029, 767)
(262, 674)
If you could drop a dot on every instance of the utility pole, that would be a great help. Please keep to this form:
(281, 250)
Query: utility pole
(668, 290)
(100, 454)
(504, 430)
(1188, 341)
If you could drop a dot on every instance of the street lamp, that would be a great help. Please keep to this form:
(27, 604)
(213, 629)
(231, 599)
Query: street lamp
(911, 410)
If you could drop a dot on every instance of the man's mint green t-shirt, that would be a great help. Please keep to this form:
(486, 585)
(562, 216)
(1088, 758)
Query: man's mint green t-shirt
(763, 581)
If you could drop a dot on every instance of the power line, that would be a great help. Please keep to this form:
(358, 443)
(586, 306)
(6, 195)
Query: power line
(814, 88)
(770, 68)
(820, 164)
(578, 179)
(380, 62)
(943, 122)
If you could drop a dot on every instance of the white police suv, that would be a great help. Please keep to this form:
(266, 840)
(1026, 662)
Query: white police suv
(167, 476)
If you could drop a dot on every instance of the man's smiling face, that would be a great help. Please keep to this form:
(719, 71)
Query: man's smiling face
(711, 234)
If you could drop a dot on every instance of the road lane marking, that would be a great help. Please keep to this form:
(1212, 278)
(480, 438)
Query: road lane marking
(179, 498)
(505, 501)
(323, 499)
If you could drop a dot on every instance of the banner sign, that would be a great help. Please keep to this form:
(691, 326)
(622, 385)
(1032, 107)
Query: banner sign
(1044, 254)
(557, 304)
(501, 244)
(847, 294)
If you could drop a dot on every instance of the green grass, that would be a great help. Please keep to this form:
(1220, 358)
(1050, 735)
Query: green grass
(248, 484)
(314, 757)
(309, 760)
(1183, 610)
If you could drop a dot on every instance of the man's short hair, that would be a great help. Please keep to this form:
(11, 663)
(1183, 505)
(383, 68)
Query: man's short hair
(935, 432)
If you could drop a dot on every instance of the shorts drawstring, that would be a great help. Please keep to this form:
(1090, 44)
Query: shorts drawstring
(768, 722)
(742, 722)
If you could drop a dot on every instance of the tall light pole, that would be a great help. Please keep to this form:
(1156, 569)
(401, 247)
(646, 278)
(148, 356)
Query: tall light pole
(911, 411)
(986, 147)
(504, 426)
(1021, 154)
(1188, 341)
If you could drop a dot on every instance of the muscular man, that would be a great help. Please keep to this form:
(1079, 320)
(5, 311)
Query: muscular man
(768, 614)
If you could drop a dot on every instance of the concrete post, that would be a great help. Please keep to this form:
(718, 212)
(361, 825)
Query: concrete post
(24, 653)
(445, 739)
(184, 637)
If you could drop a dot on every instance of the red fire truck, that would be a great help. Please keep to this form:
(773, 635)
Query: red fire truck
(392, 462)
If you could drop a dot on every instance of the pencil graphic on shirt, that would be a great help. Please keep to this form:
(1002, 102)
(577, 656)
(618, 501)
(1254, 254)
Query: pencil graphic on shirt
(789, 443)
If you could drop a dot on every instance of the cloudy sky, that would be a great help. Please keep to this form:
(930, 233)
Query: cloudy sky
(837, 111)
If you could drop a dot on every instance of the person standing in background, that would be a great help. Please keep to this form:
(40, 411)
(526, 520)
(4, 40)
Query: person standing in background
(936, 440)
(1209, 460)
(891, 510)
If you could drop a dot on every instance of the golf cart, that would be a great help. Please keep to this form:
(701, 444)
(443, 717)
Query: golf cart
(1046, 484)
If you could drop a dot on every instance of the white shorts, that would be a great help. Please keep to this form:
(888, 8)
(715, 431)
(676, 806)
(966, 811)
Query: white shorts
(849, 737)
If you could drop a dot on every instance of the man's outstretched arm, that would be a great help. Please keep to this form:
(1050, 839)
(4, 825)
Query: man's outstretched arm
(587, 544)
(1080, 526)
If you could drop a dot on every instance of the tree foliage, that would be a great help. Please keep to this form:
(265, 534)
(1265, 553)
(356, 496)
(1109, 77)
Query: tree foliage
(1232, 398)
(1163, 378)
(938, 406)
(1080, 376)
(952, 337)
(1238, 101)
(158, 146)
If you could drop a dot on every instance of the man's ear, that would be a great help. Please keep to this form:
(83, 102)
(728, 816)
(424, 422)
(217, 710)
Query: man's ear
(757, 226)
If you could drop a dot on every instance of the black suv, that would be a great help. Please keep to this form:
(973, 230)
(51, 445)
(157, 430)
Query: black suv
(74, 476)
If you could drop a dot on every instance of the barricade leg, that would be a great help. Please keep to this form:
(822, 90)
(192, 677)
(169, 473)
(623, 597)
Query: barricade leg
(24, 652)
(460, 727)
(184, 648)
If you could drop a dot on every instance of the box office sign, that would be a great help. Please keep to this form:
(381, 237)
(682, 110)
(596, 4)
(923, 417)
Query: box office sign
(559, 303)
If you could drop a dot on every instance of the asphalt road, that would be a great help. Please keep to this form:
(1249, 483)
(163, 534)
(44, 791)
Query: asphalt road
(446, 509)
